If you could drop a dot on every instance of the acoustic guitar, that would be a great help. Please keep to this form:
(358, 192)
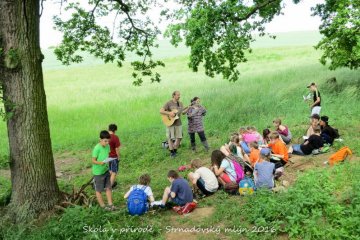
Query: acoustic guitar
(167, 120)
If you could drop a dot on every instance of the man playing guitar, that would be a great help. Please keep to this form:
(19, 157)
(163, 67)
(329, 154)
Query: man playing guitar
(171, 110)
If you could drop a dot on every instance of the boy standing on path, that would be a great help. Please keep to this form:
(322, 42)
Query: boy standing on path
(114, 144)
(100, 170)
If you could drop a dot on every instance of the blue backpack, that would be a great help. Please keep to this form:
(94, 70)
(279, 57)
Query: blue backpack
(246, 186)
(137, 201)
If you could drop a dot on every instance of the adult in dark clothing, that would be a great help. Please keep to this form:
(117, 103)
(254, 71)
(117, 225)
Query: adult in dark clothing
(315, 141)
(327, 132)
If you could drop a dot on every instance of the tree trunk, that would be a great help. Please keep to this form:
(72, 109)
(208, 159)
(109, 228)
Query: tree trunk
(34, 185)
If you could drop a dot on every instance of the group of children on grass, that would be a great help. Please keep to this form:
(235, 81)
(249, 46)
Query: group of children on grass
(261, 156)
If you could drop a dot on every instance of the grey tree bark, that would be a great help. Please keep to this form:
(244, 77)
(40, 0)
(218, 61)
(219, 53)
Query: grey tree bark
(34, 185)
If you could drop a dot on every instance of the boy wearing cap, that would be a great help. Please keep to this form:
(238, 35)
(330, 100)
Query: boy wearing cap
(264, 170)
(316, 106)
(327, 132)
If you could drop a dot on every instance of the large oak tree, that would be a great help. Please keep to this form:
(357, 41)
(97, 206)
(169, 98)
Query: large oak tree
(219, 33)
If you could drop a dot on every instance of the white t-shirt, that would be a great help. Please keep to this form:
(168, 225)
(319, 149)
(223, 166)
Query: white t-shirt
(147, 190)
(211, 183)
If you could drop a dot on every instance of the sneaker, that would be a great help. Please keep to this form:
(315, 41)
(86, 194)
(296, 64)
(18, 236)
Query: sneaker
(173, 154)
(315, 152)
(157, 205)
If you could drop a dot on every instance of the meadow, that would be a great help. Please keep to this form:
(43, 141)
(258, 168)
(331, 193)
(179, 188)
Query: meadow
(83, 99)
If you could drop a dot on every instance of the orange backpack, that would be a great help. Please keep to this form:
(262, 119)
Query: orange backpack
(339, 156)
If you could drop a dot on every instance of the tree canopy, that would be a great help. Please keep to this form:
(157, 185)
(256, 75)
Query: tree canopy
(218, 33)
(341, 29)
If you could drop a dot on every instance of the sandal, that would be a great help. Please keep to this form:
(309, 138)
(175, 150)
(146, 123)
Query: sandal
(110, 208)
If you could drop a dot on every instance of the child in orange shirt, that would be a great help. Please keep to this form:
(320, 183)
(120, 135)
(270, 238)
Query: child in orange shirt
(278, 149)
(254, 153)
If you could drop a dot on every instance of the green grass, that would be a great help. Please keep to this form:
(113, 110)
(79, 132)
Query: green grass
(84, 99)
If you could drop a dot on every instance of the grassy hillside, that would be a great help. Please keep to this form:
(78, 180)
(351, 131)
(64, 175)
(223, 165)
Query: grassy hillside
(82, 100)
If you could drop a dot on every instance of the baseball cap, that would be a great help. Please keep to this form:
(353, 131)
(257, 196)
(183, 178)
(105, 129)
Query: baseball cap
(311, 84)
(265, 151)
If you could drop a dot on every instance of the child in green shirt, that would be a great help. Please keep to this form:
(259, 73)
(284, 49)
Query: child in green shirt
(100, 170)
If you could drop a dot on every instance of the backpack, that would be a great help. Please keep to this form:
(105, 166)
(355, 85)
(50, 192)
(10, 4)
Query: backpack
(238, 169)
(340, 155)
(187, 208)
(246, 186)
(137, 201)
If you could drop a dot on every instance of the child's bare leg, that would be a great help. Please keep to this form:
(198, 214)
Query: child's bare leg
(112, 177)
(100, 199)
(109, 196)
(221, 181)
(225, 150)
(166, 195)
(191, 177)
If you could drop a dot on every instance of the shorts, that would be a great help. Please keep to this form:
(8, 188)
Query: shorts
(177, 201)
(114, 166)
(174, 132)
(201, 185)
(315, 110)
(225, 178)
(102, 181)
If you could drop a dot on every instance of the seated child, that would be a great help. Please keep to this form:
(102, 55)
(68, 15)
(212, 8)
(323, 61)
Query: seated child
(179, 192)
(259, 138)
(248, 136)
(144, 181)
(222, 167)
(264, 170)
(315, 118)
(234, 147)
(283, 131)
(327, 132)
(101, 172)
(203, 178)
(315, 141)
(278, 149)
(255, 153)
(266, 133)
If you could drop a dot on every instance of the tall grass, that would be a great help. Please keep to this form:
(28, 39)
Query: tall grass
(84, 100)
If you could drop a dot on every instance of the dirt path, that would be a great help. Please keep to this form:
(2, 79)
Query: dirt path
(178, 231)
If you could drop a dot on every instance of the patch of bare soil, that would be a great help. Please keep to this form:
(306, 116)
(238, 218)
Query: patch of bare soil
(180, 230)
(64, 163)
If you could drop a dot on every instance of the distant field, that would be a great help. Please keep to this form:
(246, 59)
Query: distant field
(166, 50)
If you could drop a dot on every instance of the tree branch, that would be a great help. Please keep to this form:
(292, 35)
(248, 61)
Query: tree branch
(254, 10)
(126, 9)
